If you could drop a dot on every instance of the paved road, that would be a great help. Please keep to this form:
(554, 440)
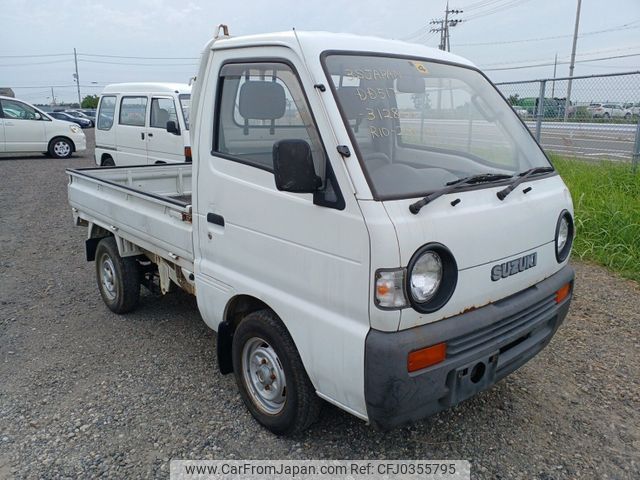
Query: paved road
(591, 140)
(583, 140)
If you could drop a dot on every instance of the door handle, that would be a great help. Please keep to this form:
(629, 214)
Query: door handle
(9, 124)
(214, 218)
(149, 134)
(142, 135)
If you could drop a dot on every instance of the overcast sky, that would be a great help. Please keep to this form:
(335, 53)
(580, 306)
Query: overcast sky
(178, 28)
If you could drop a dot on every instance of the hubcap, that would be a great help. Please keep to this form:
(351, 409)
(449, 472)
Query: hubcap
(61, 148)
(264, 376)
(108, 276)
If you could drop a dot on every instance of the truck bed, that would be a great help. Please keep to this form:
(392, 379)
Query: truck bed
(148, 205)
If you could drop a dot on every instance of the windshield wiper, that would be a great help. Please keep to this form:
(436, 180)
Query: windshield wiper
(522, 176)
(454, 185)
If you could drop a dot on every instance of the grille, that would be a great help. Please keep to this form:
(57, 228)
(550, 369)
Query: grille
(512, 327)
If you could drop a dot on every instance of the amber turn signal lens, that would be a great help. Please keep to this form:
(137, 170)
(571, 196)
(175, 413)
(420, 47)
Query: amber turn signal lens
(187, 154)
(563, 293)
(425, 357)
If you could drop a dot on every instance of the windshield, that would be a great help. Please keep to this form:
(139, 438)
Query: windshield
(418, 124)
(185, 103)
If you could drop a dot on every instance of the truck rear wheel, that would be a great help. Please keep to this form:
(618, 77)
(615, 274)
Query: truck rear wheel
(272, 380)
(118, 278)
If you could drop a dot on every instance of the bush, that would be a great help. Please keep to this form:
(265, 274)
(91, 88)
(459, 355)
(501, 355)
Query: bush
(606, 198)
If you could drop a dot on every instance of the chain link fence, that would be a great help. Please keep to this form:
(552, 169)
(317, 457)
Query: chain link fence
(599, 120)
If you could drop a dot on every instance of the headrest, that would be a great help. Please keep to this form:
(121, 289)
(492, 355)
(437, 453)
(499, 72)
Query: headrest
(262, 100)
(352, 104)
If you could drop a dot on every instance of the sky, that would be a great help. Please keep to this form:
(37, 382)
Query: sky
(37, 37)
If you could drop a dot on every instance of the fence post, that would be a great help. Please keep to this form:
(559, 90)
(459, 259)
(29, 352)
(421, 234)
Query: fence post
(540, 110)
(635, 159)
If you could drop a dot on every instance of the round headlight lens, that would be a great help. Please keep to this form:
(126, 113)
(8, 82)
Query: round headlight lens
(563, 234)
(426, 276)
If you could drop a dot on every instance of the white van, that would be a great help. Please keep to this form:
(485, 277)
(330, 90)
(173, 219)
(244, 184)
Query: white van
(365, 221)
(24, 128)
(143, 123)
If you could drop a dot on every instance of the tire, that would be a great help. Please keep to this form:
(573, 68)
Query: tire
(278, 393)
(108, 162)
(118, 278)
(60, 147)
(606, 115)
(627, 116)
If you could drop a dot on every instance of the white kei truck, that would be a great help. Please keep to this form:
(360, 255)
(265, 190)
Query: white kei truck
(365, 221)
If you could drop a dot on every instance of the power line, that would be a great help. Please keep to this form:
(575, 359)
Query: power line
(626, 26)
(136, 58)
(38, 56)
(140, 64)
(32, 63)
(561, 63)
(497, 8)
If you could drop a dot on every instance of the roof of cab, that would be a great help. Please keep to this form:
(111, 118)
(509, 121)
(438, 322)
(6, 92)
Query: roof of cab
(314, 43)
(147, 87)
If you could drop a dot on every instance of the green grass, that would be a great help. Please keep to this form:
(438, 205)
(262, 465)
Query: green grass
(606, 198)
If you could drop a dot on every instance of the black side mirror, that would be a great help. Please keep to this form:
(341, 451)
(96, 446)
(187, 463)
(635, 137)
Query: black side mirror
(293, 167)
(173, 128)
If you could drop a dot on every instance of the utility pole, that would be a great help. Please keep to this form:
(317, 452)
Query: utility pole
(553, 84)
(450, 23)
(439, 29)
(53, 97)
(567, 103)
(77, 77)
(443, 27)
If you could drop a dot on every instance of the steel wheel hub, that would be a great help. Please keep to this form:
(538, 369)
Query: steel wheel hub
(107, 271)
(264, 376)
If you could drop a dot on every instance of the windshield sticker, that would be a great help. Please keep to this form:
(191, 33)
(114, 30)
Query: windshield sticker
(420, 67)
(371, 74)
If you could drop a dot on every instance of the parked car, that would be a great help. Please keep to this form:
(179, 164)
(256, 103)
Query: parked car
(634, 108)
(152, 124)
(393, 277)
(81, 122)
(89, 112)
(79, 114)
(608, 110)
(24, 128)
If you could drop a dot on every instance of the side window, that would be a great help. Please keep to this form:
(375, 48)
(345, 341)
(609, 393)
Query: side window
(259, 105)
(18, 110)
(163, 110)
(133, 111)
(106, 112)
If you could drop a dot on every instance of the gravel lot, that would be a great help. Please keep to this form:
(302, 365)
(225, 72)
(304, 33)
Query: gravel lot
(86, 393)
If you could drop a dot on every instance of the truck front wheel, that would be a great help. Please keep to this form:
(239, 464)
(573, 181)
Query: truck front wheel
(118, 278)
(272, 380)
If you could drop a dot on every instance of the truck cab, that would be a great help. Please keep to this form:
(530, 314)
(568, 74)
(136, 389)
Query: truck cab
(370, 224)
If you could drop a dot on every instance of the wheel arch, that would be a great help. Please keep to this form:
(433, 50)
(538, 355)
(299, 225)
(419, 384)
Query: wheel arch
(64, 137)
(237, 307)
(104, 157)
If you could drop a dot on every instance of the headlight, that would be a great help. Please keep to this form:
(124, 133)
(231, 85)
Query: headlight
(74, 129)
(432, 275)
(564, 236)
(426, 276)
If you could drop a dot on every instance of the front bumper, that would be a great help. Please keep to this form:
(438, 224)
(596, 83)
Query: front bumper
(483, 346)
